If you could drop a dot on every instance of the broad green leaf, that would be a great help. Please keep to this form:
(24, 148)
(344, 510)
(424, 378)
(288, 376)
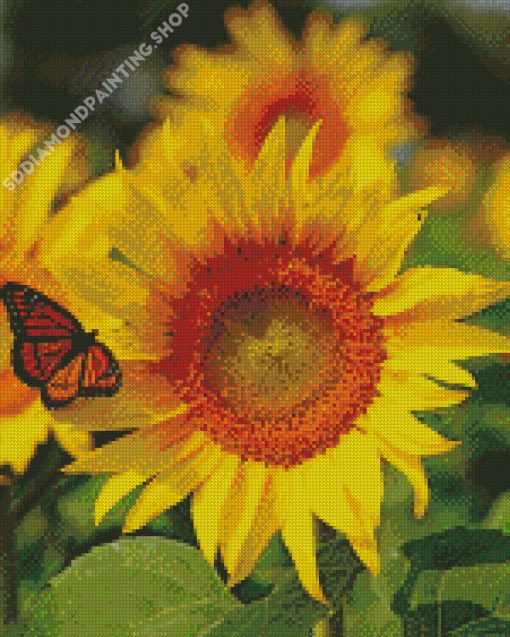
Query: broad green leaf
(486, 626)
(288, 611)
(368, 612)
(117, 589)
(438, 620)
(458, 547)
(487, 585)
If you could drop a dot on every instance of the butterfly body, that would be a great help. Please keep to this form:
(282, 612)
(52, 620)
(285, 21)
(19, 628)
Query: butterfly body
(53, 352)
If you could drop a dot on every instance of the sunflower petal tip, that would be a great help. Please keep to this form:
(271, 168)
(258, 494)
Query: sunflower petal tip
(118, 161)
(419, 509)
(300, 170)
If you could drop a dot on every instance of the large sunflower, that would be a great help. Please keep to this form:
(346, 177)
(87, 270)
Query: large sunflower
(355, 87)
(24, 422)
(266, 316)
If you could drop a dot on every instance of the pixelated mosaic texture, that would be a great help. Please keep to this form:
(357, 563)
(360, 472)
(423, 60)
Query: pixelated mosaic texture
(446, 574)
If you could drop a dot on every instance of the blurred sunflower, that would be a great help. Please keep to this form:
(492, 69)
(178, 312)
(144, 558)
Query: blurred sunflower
(452, 164)
(266, 316)
(493, 219)
(355, 87)
(24, 423)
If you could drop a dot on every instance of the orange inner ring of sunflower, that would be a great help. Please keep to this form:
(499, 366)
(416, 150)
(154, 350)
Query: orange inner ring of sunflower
(275, 350)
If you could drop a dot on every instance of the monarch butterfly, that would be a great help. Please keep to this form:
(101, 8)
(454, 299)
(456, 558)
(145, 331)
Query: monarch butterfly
(53, 352)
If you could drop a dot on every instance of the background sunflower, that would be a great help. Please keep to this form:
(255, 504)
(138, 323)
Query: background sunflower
(52, 53)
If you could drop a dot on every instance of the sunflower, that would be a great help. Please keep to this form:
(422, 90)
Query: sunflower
(355, 87)
(24, 423)
(279, 350)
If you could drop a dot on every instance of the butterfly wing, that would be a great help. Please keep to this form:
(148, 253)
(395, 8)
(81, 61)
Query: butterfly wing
(47, 335)
(101, 374)
(88, 374)
(33, 315)
(35, 363)
(52, 351)
(64, 385)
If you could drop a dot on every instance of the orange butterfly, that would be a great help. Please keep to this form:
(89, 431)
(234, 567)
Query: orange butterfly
(52, 351)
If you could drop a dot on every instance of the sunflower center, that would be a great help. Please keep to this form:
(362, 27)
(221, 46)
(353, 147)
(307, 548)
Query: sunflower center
(275, 351)
(266, 363)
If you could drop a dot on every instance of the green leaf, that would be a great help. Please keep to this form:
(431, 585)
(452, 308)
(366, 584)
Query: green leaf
(288, 611)
(485, 626)
(32, 529)
(487, 585)
(121, 588)
(367, 610)
(499, 514)
(458, 547)
(435, 620)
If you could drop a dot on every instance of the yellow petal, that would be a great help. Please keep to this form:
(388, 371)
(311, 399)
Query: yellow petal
(383, 239)
(413, 470)
(74, 441)
(414, 392)
(443, 293)
(447, 339)
(192, 471)
(217, 80)
(327, 498)
(430, 362)
(367, 552)
(207, 505)
(117, 456)
(259, 32)
(298, 532)
(264, 526)
(495, 208)
(266, 186)
(300, 171)
(354, 449)
(39, 197)
(114, 490)
(156, 498)
(249, 493)
(171, 486)
(370, 165)
(403, 430)
(111, 286)
(20, 435)
(81, 226)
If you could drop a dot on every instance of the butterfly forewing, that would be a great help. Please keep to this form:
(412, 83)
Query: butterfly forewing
(37, 362)
(34, 316)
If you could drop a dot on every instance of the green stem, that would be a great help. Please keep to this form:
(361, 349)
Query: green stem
(8, 598)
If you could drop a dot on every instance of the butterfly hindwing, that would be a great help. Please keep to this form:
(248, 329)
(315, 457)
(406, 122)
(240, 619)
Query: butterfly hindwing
(101, 375)
(64, 386)
(53, 352)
